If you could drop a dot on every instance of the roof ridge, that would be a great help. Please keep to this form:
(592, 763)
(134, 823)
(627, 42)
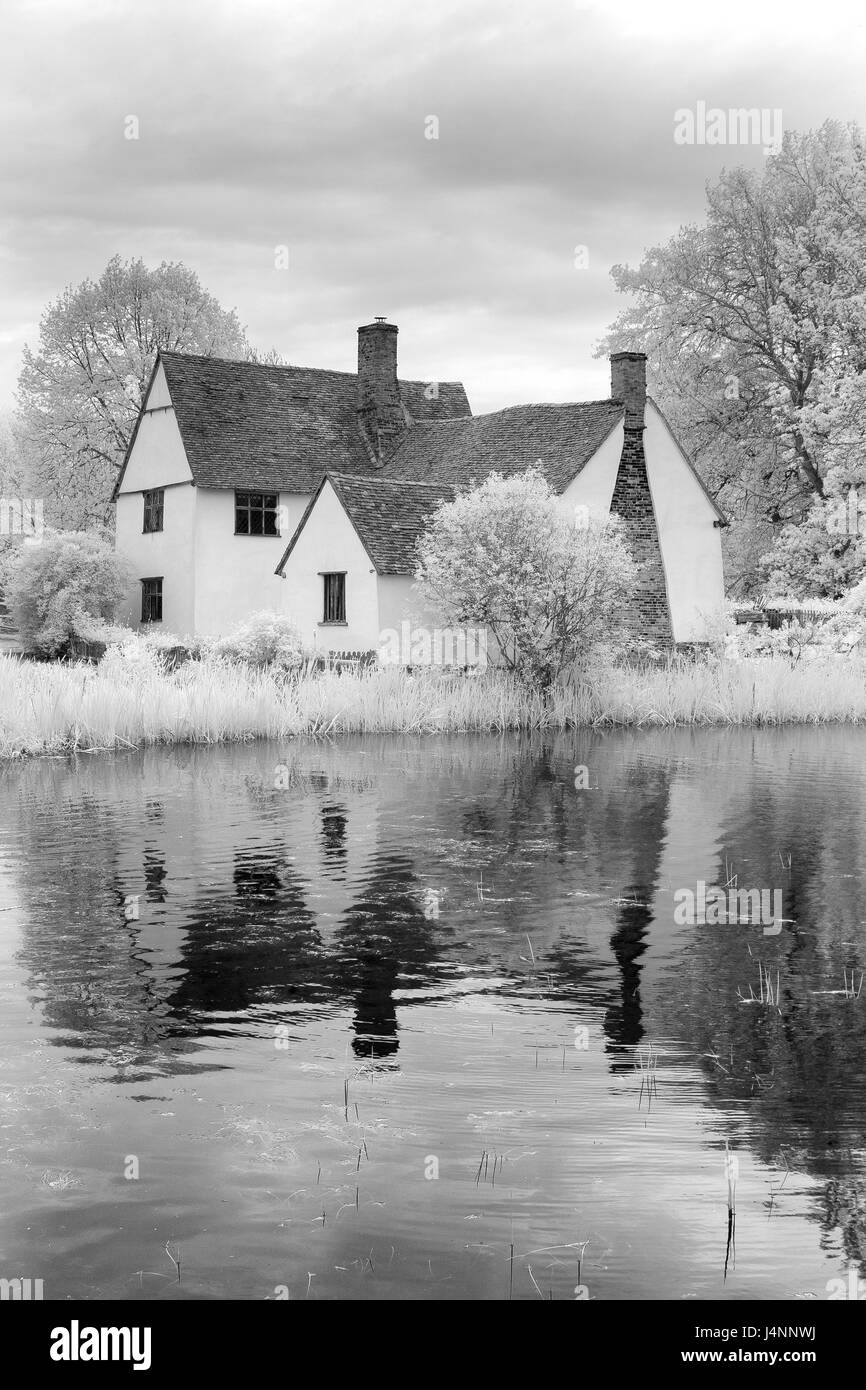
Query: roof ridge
(290, 367)
(367, 478)
(246, 362)
(527, 405)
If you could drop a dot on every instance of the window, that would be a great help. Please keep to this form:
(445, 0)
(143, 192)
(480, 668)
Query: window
(153, 509)
(151, 600)
(256, 514)
(335, 598)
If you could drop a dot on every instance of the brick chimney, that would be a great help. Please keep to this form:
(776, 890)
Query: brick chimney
(379, 406)
(628, 384)
(633, 501)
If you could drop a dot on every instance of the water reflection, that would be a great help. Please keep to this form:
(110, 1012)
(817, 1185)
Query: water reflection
(263, 907)
(384, 939)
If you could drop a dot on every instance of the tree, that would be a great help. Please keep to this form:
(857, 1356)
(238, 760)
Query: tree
(81, 390)
(11, 479)
(755, 325)
(508, 556)
(62, 588)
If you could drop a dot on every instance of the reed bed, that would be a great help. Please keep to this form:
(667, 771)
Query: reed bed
(53, 708)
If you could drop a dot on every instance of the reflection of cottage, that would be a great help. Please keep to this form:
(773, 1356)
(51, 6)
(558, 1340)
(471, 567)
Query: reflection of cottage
(237, 470)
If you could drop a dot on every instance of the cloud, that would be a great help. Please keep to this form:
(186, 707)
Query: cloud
(264, 124)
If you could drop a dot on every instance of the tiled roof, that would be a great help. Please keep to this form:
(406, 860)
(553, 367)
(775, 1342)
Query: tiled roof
(388, 516)
(559, 438)
(266, 428)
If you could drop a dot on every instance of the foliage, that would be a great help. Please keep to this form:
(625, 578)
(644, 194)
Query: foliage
(855, 600)
(825, 553)
(755, 326)
(811, 641)
(12, 474)
(506, 556)
(81, 389)
(149, 650)
(265, 639)
(812, 629)
(61, 588)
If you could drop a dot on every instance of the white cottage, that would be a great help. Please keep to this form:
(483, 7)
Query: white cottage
(248, 487)
(223, 461)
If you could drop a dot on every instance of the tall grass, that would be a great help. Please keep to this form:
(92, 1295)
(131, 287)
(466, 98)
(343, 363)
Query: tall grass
(48, 708)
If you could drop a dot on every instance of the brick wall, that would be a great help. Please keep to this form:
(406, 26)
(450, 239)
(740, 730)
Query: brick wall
(632, 501)
(379, 404)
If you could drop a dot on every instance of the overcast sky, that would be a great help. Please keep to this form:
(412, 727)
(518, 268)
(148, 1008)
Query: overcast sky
(280, 122)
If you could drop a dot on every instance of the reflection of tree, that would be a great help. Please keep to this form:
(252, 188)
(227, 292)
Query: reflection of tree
(796, 1082)
(87, 970)
(790, 1082)
(617, 828)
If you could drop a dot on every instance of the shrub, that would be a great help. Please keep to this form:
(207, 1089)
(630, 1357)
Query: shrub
(265, 639)
(128, 652)
(62, 588)
(551, 590)
(130, 660)
(855, 600)
(808, 641)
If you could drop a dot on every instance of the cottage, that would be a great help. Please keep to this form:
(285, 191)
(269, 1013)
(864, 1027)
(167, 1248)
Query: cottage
(223, 461)
(304, 491)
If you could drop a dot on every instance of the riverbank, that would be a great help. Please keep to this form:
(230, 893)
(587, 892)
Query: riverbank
(52, 708)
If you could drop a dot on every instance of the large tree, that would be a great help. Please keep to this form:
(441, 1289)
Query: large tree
(12, 473)
(81, 389)
(755, 326)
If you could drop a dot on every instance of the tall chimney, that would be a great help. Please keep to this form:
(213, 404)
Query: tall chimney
(628, 384)
(379, 404)
(632, 501)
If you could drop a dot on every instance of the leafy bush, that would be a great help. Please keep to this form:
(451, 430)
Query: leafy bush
(812, 557)
(807, 641)
(128, 653)
(507, 556)
(62, 588)
(855, 600)
(130, 660)
(265, 639)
